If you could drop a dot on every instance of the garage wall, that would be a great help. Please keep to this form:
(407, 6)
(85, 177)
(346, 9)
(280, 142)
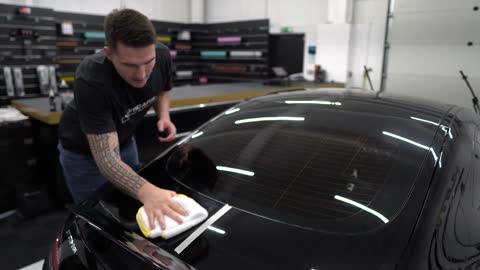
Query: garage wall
(232, 10)
(333, 45)
(197, 11)
(429, 46)
(84, 6)
(367, 42)
(165, 10)
(280, 12)
(13, 2)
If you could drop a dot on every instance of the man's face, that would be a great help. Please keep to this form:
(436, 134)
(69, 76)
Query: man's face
(133, 64)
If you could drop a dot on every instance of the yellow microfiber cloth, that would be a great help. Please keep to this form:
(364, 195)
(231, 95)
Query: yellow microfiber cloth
(196, 214)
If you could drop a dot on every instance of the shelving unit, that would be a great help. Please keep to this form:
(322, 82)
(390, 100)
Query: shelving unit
(22, 48)
(201, 53)
(230, 38)
(69, 56)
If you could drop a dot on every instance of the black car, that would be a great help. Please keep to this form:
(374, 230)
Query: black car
(313, 179)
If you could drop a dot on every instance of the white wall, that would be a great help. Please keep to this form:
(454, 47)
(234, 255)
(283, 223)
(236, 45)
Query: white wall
(197, 11)
(333, 41)
(84, 6)
(296, 13)
(234, 10)
(429, 47)
(340, 11)
(13, 2)
(165, 10)
(280, 12)
(367, 42)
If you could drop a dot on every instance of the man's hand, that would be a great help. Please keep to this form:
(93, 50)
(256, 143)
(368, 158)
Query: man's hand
(158, 203)
(165, 125)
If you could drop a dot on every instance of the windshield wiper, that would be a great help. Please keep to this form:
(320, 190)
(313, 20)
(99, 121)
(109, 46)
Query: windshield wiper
(474, 99)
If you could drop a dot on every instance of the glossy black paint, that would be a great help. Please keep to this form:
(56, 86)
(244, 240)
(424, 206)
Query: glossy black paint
(433, 227)
(297, 166)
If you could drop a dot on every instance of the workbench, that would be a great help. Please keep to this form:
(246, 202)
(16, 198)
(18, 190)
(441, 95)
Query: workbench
(39, 108)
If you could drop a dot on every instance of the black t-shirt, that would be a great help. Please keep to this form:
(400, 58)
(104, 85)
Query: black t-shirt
(104, 102)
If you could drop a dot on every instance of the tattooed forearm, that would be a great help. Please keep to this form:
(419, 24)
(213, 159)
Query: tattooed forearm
(106, 152)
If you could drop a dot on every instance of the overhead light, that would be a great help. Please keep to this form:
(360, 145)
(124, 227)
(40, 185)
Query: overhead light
(320, 102)
(201, 105)
(217, 230)
(95, 226)
(234, 170)
(232, 111)
(260, 119)
(363, 207)
(198, 134)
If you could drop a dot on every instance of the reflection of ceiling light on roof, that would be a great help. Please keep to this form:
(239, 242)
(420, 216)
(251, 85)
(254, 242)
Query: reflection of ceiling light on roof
(424, 120)
(444, 128)
(363, 207)
(440, 160)
(232, 111)
(406, 140)
(198, 134)
(313, 102)
(239, 171)
(201, 105)
(95, 226)
(260, 119)
(414, 143)
(217, 230)
(434, 154)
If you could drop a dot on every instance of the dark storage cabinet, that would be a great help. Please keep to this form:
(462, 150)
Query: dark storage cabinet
(17, 163)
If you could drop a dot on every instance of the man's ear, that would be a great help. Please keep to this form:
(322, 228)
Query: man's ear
(108, 52)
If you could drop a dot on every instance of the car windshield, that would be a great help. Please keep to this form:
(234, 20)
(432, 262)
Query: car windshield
(311, 163)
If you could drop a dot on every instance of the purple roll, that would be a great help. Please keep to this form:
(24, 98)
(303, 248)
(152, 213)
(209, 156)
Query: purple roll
(229, 39)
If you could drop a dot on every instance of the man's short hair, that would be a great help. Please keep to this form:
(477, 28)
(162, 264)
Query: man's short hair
(129, 27)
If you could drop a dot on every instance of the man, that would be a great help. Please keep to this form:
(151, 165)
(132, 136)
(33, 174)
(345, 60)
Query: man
(112, 92)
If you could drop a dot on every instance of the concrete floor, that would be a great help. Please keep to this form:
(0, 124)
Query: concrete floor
(25, 241)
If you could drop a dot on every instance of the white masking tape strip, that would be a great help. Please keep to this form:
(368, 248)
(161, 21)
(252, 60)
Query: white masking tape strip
(202, 228)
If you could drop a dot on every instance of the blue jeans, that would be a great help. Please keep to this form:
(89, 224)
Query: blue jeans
(82, 175)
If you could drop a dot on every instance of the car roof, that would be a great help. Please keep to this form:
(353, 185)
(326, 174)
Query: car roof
(343, 146)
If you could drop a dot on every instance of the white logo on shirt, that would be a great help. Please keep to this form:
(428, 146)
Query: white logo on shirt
(140, 107)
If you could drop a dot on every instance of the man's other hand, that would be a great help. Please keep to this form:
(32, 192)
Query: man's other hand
(166, 126)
